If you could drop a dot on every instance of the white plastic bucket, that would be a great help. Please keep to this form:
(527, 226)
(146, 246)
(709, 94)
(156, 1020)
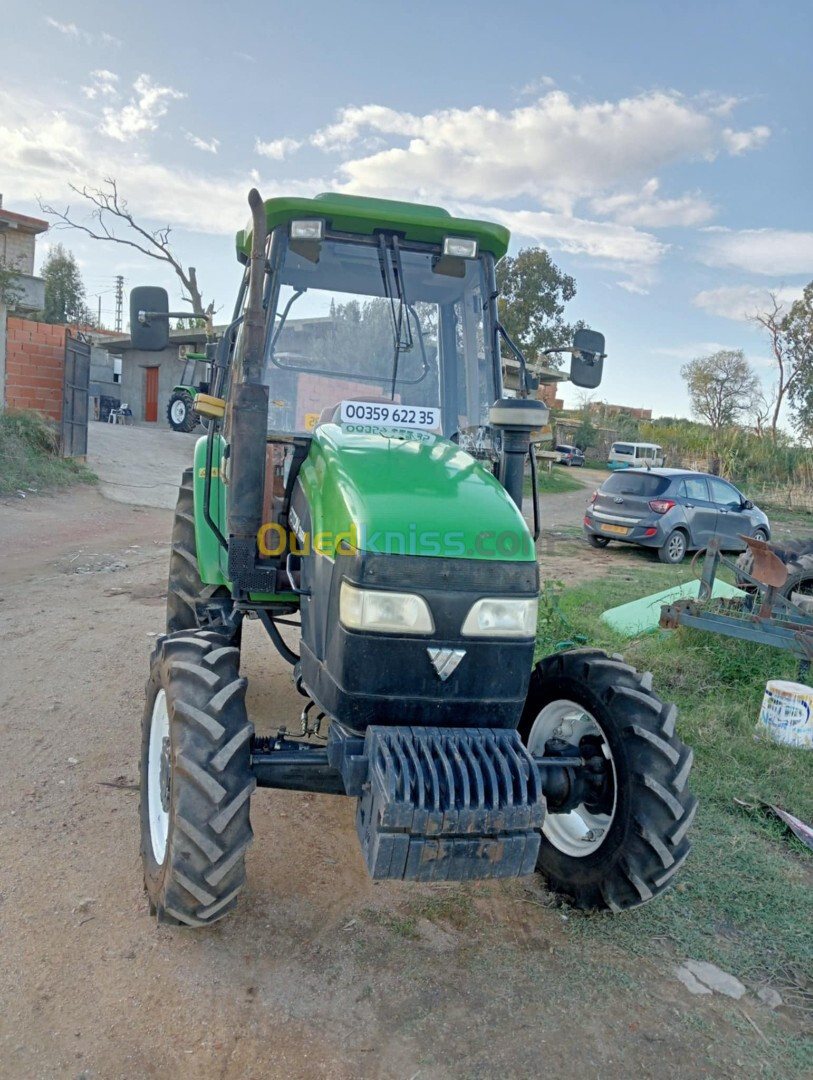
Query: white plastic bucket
(786, 715)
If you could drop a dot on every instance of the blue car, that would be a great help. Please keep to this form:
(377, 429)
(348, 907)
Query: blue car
(672, 510)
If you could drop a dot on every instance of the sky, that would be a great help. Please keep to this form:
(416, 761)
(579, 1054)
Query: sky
(662, 153)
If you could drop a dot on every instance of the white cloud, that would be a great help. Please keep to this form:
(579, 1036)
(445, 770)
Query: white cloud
(102, 84)
(277, 149)
(742, 302)
(537, 86)
(644, 208)
(143, 111)
(68, 29)
(555, 150)
(71, 30)
(43, 151)
(739, 142)
(578, 236)
(209, 146)
(773, 252)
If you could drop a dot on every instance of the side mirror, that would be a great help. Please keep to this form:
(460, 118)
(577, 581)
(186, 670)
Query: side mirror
(747, 504)
(587, 361)
(149, 318)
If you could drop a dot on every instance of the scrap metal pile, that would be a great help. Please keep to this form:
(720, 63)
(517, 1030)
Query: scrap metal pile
(768, 611)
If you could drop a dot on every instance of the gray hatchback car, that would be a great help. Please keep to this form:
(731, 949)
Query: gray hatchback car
(673, 510)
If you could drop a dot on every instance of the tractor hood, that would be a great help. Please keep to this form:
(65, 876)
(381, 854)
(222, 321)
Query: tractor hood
(407, 493)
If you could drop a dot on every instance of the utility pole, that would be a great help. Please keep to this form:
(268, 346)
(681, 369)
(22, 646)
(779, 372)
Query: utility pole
(119, 301)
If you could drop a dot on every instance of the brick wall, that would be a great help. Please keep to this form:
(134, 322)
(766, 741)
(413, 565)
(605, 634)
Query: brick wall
(35, 366)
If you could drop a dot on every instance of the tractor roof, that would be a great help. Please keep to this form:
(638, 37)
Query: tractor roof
(356, 214)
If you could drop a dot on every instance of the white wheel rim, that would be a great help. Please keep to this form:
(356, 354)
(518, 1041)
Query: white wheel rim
(578, 833)
(178, 411)
(158, 778)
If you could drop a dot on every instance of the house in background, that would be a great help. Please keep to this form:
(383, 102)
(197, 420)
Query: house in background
(18, 239)
(145, 380)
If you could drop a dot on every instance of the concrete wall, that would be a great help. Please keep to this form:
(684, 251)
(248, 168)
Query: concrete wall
(34, 366)
(17, 249)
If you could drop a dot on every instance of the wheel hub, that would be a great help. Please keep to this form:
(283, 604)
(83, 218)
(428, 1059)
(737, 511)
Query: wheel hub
(582, 807)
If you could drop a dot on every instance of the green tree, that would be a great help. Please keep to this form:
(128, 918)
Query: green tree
(533, 294)
(722, 387)
(10, 290)
(797, 346)
(64, 290)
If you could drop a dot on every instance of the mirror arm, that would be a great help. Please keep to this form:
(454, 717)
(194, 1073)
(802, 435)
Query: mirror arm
(520, 358)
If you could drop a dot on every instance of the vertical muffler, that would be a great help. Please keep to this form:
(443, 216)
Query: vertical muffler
(248, 406)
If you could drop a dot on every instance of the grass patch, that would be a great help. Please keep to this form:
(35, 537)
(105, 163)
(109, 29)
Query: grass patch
(556, 482)
(744, 898)
(29, 456)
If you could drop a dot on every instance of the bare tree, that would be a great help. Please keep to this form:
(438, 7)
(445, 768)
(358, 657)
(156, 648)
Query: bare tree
(585, 400)
(790, 370)
(722, 387)
(109, 211)
(761, 412)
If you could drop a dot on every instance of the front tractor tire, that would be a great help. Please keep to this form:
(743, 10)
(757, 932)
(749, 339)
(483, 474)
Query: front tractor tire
(181, 414)
(196, 781)
(622, 845)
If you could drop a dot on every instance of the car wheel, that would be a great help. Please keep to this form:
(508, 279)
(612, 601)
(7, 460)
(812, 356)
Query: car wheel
(597, 541)
(760, 534)
(674, 549)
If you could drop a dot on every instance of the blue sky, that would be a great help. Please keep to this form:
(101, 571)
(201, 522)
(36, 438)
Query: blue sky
(662, 153)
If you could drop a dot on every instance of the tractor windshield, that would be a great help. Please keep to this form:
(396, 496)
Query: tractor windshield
(372, 319)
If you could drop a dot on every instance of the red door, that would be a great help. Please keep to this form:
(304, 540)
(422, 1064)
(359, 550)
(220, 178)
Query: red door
(151, 395)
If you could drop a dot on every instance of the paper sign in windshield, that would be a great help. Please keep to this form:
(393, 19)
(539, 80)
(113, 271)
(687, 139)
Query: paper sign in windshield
(390, 414)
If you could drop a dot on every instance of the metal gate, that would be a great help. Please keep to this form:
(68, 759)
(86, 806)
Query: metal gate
(75, 398)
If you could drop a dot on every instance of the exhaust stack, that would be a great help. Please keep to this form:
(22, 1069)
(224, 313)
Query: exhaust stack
(249, 407)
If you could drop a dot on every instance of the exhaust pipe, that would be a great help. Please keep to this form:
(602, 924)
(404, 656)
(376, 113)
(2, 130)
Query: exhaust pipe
(249, 405)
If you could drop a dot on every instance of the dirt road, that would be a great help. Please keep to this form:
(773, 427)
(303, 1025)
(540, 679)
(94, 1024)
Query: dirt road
(320, 973)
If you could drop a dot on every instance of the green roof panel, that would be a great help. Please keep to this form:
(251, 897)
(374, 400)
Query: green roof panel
(358, 214)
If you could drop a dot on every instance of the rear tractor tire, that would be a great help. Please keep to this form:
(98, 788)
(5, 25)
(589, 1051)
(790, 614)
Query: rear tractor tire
(181, 414)
(622, 845)
(196, 781)
(185, 589)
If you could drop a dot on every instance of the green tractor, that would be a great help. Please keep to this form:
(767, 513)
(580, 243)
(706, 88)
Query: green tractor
(362, 479)
(195, 379)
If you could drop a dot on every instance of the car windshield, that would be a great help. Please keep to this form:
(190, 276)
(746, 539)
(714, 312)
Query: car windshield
(375, 321)
(630, 482)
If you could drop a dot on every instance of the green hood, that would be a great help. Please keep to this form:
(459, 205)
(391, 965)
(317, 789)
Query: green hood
(415, 494)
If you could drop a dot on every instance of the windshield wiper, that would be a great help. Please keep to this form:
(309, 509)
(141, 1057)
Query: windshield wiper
(398, 292)
(283, 317)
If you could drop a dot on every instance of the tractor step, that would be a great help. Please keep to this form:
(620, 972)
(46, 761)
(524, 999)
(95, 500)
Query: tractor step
(449, 804)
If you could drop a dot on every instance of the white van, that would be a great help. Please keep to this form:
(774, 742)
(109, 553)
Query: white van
(627, 455)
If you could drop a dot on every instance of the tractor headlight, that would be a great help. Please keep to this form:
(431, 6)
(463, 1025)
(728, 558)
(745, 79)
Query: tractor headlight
(308, 229)
(384, 612)
(501, 618)
(460, 247)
